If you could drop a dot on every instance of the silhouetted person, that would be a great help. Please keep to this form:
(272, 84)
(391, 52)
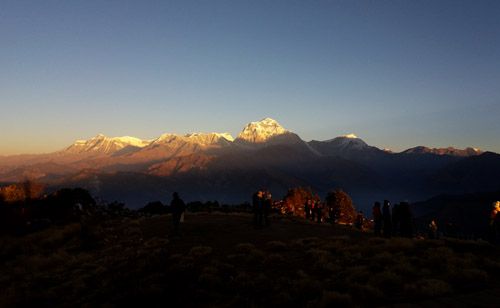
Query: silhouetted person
(405, 220)
(331, 213)
(177, 207)
(307, 208)
(377, 218)
(319, 209)
(433, 228)
(387, 219)
(267, 204)
(258, 205)
(313, 210)
(359, 220)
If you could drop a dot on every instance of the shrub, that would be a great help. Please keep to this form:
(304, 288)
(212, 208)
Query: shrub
(275, 259)
(276, 246)
(387, 281)
(428, 287)
(365, 292)
(200, 251)
(209, 277)
(245, 247)
(335, 299)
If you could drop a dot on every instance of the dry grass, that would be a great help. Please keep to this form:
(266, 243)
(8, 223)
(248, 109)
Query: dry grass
(134, 263)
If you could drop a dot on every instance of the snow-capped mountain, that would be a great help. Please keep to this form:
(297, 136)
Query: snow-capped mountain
(169, 145)
(211, 165)
(444, 151)
(261, 131)
(347, 146)
(202, 139)
(101, 144)
(348, 142)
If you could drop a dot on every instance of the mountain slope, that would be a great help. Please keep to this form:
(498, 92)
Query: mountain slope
(261, 131)
(471, 174)
(444, 151)
(347, 146)
(265, 154)
(101, 144)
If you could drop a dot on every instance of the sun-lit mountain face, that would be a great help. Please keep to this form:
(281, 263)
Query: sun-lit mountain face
(204, 139)
(211, 165)
(261, 131)
(105, 145)
(444, 151)
(350, 141)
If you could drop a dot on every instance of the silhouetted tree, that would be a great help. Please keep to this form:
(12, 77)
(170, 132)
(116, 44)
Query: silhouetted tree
(294, 200)
(154, 208)
(342, 205)
(65, 204)
(116, 208)
(21, 192)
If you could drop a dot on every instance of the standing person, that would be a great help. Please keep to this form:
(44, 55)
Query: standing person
(307, 208)
(377, 218)
(359, 220)
(177, 207)
(405, 220)
(387, 221)
(313, 210)
(433, 228)
(331, 213)
(258, 207)
(319, 208)
(268, 201)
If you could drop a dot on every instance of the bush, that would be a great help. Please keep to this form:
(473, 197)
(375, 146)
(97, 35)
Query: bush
(428, 288)
(276, 246)
(335, 299)
(200, 251)
(342, 206)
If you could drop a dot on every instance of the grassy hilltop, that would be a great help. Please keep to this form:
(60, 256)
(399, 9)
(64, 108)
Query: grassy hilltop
(222, 260)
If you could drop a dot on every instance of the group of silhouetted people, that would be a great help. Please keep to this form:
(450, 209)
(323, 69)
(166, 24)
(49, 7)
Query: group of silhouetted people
(313, 210)
(387, 221)
(261, 205)
(395, 221)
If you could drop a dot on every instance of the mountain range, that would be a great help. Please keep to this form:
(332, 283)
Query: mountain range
(216, 166)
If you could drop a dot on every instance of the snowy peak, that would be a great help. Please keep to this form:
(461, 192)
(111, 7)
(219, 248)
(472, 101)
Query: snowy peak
(349, 141)
(350, 136)
(346, 146)
(204, 139)
(209, 138)
(101, 144)
(451, 151)
(261, 131)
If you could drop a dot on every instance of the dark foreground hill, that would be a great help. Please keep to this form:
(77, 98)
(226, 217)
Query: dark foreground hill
(221, 260)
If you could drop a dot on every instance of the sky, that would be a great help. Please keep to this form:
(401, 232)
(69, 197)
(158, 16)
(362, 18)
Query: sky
(396, 73)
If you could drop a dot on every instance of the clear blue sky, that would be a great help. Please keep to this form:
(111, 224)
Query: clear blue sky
(396, 73)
